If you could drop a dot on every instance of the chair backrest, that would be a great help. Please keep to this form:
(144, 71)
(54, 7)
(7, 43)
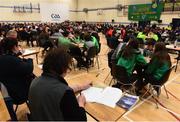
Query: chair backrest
(165, 77)
(119, 73)
(91, 52)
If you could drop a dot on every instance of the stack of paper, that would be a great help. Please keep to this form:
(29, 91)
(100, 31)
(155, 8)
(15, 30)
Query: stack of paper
(108, 96)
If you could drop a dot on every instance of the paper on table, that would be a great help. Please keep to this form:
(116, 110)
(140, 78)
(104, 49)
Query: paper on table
(110, 96)
(27, 51)
(40, 66)
(92, 94)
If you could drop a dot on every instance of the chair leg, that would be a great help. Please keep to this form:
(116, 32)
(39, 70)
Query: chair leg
(176, 66)
(177, 63)
(107, 77)
(156, 103)
(97, 60)
(111, 81)
(146, 92)
(16, 108)
(166, 92)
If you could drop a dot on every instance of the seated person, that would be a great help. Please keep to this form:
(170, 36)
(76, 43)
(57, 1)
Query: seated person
(72, 47)
(90, 41)
(129, 58)
(77, 37)
(112, 41)
(158, 66)
(113, 55)
(50, 96)
(44, 40)
(15, 73)
(149, 47)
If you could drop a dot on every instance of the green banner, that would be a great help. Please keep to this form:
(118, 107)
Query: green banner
(145, 12)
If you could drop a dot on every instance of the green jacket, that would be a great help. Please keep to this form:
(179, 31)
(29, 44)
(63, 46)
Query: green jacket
(155, 70)
(155, 37)
(95, 42)
(77, 39)
(129, 64)
(64, 42)
(142, 36)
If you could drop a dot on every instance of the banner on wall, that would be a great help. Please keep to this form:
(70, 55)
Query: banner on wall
(54, 12)
(145, 12)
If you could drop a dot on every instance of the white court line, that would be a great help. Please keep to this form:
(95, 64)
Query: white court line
(149, 97)
(129, 120)
(169, 81)
(164, 108)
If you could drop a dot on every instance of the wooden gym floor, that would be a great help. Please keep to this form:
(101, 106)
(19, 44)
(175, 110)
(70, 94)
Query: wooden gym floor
(145, 110)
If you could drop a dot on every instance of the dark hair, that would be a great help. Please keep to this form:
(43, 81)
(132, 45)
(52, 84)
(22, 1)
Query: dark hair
(87, 36)
(65, 33)
(128, 51)
(57, 61)
(7, 45)
(160, 46)
(161, 54)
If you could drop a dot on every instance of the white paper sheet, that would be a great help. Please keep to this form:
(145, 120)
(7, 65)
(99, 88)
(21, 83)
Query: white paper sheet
(27, 51)
(92, 94)
(108, 96)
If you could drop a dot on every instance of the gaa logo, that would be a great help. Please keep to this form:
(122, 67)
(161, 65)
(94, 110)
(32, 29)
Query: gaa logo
(55, 16)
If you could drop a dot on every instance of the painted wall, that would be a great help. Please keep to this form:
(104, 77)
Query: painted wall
(108, 15)
(7, 14)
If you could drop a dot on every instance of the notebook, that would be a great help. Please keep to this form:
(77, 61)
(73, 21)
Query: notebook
(107, 96)
(127, 101)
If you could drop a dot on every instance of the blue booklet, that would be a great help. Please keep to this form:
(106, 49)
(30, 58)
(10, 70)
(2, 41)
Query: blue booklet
(127, 101)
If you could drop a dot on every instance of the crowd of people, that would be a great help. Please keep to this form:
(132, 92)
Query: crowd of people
(49, 96)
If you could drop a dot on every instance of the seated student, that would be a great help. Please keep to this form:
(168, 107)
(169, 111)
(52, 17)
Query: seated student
(12, 34)
(44, 40)
(159, 64)
(113, 55)
(112, 41)
(77, 36)
(90, 41)
(15, 73)
(65, 41)
(72, 47)
(149, 47)
(129, 58)
(50, 96)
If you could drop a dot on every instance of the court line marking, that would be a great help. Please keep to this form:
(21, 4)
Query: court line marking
(164, 108)
(149, 96)
(129, 120)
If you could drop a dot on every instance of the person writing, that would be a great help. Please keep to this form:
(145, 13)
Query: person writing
(50, 96)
